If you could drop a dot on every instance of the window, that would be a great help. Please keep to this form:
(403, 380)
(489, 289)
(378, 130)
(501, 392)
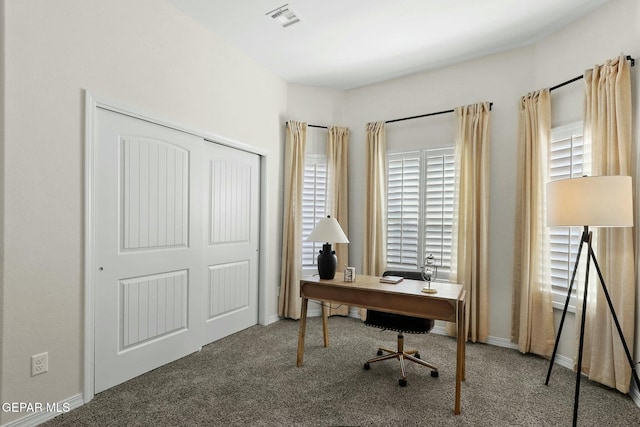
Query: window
(569, 158)
(314, 205)
(403, 209)
(420, 186)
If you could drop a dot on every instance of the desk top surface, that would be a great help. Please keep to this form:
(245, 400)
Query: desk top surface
(446, 291)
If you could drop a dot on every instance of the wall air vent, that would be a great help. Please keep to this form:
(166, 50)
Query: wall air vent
(284, 15)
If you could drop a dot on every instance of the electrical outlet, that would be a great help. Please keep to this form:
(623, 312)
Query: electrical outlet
(39, 363)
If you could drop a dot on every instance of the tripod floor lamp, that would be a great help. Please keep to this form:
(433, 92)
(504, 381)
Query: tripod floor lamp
(599, 201)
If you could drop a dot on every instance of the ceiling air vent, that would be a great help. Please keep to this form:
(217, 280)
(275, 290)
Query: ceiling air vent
(284, 15)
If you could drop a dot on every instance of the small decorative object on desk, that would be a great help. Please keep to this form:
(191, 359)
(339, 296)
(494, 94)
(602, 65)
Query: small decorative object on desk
(429, 274)
(391, 279)
(349, 274)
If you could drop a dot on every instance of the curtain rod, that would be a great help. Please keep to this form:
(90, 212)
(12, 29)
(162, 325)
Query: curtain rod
(575, 79)
(427, 115)
(405, 118)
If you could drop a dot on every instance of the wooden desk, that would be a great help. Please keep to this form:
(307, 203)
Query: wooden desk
(405, 297)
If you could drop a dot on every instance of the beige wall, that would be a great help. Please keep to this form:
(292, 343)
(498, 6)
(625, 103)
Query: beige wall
(500, 79)
(315, 105)
(139, 53)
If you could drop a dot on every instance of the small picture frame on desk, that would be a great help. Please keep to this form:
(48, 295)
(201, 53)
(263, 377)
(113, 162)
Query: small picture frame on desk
(349, 274)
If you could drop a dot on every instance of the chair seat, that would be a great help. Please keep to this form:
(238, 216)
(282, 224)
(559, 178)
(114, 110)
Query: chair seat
(398, 322)
(401, 324)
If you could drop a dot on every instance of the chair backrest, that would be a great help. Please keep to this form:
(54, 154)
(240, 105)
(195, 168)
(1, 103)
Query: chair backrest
(412, 275)
(400, 322)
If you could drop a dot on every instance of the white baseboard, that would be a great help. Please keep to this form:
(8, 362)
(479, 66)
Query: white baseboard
(37, 418)
(502, 342)
(272, 319)
(496, 341)
(564, 361)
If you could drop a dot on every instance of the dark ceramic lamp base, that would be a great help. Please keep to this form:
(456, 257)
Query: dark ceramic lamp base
(327, 262)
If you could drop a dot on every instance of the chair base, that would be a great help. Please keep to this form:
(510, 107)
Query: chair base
(401, 355)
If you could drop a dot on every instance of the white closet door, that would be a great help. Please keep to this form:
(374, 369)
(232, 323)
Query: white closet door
(148, 251)
(231, 247)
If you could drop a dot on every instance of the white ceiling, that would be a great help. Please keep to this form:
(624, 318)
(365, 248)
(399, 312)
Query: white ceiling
(344, 44)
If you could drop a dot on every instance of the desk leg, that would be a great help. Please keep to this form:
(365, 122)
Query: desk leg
(303, 326)
(325, 325)
(464, 342)
(460, 356)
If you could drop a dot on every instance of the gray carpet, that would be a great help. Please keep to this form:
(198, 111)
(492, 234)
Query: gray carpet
(250, 379)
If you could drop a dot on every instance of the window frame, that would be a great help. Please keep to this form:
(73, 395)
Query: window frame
(447, 187)
(420, 235)
(571, 234)
(311, 249)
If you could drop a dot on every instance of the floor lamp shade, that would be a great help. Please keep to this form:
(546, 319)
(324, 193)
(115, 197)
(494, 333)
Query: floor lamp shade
(327, 230)
(597, 201)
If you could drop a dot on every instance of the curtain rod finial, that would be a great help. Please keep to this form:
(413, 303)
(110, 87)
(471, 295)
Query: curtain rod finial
(631, 60)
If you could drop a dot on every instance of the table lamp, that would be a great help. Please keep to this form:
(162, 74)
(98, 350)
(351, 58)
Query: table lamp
(598, 201)
(329, 231)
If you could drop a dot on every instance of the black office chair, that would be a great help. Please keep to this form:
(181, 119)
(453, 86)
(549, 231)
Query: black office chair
(401, 324)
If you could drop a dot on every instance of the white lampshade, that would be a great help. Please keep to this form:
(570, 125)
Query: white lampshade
(597, 201)
(328, 230)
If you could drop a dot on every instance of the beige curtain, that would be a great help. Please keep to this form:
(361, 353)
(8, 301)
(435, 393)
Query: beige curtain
(469, 260)
(608, 127)
(374, 242)
(289, 302)
(532, 315)
(338, 163)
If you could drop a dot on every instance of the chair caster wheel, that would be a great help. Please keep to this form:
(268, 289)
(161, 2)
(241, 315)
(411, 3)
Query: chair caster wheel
(434, 374)
(367, 366)
(402, 382)
(379, 353)
(417, 355)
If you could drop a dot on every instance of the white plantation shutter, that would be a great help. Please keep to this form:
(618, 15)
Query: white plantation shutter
(314, 204)
(569, 158)
(420, 209)
(438, 217)
(403, 209)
